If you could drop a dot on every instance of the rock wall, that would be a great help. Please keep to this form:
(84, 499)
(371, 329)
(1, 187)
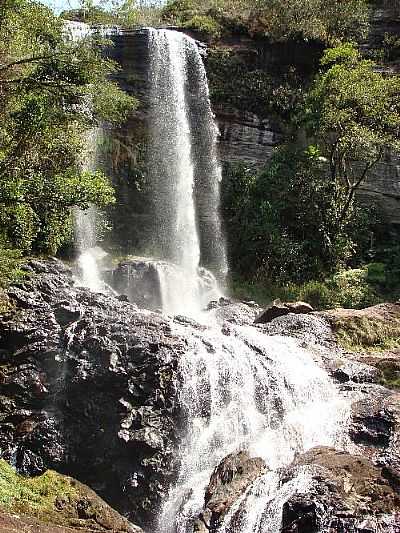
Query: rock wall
(247, 134)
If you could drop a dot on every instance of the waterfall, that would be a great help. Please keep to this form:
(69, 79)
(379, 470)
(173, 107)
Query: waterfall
(86, 222)
(85, 226)
(182, 137)
(248, 390)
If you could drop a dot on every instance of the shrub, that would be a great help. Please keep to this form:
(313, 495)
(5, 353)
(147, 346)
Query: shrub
(9, 266)
(204, 24)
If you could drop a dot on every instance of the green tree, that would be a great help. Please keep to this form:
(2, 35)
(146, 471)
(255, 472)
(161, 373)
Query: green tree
(281, 222)
(52, 90)
(353, 113)
(329, 21)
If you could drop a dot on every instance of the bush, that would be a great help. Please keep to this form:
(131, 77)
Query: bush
(349, 289)
(9, 266)
(282, 224)
(204, 24)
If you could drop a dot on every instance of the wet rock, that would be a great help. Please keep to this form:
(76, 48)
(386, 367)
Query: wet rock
(228, 482)
(278, 309)
(239, 313)
(299, 308)
(273, 311)
(375, 426)
(88, 387)
(356, 372)
(53, 502)
(343, 493)
(139, 280)
(309, 328)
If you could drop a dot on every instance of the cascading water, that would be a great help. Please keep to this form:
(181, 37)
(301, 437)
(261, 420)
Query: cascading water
(247, 390)
(179, 94)
(240, 388)
(86, 223)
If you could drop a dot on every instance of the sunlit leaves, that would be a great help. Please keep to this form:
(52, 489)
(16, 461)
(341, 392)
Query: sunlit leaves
(51, 91)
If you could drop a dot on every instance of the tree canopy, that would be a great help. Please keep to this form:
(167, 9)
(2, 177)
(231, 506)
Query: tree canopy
(52, 91)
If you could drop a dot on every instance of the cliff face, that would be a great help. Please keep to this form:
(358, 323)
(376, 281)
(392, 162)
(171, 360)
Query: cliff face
(255, 71)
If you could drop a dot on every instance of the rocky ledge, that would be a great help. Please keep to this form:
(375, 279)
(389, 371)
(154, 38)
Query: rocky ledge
(54, 503)
(87, 388)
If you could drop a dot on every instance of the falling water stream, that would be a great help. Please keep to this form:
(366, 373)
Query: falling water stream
(184, 170)
(240, 388)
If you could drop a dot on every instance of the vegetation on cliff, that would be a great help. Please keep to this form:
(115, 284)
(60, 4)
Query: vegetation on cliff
(57, 500)
(327, 21)
(299, 218)
(52, 91)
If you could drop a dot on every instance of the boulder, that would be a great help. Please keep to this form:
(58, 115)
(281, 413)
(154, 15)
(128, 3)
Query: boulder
(375, 427)
(345, 493)
(273, 311)
(228, 482)
(240, 313)
(88, 388)
(278, 309)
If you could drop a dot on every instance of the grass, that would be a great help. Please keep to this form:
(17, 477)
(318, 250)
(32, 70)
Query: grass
(363, 334)
(56, 499)
(390, 374)
(37, 496)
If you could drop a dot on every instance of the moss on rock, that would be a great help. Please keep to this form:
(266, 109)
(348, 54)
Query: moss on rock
(374, 329)
(58, 500)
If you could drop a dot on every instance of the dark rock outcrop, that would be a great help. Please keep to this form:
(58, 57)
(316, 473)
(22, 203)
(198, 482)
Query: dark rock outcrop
(278, 309)
(344, 493)
(138, 279)
(87, 388)
(375, 428)
(228, 482)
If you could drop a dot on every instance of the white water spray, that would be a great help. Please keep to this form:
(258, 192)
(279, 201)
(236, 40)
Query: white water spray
(86, 223)
(249, 391)
(177, 166)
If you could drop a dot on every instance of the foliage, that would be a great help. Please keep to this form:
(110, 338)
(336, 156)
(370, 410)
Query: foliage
(125, 13)
(327, 21)
(204, 24)
(282, 223)
(353, 112)
(347, 288)
(361, 333)
(52, 91)
(237, 81)
(9, 268)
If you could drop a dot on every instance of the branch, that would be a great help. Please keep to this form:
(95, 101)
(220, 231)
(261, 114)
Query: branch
(356, 185)
(24, 61)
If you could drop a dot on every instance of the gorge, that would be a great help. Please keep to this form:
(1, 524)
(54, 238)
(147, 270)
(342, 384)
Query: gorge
(182, 408)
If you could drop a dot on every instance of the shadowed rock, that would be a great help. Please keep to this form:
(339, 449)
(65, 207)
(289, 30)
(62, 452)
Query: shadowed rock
(345, 493)
(87, 387)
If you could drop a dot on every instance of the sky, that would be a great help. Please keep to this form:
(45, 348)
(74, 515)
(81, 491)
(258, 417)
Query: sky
(59, 5)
